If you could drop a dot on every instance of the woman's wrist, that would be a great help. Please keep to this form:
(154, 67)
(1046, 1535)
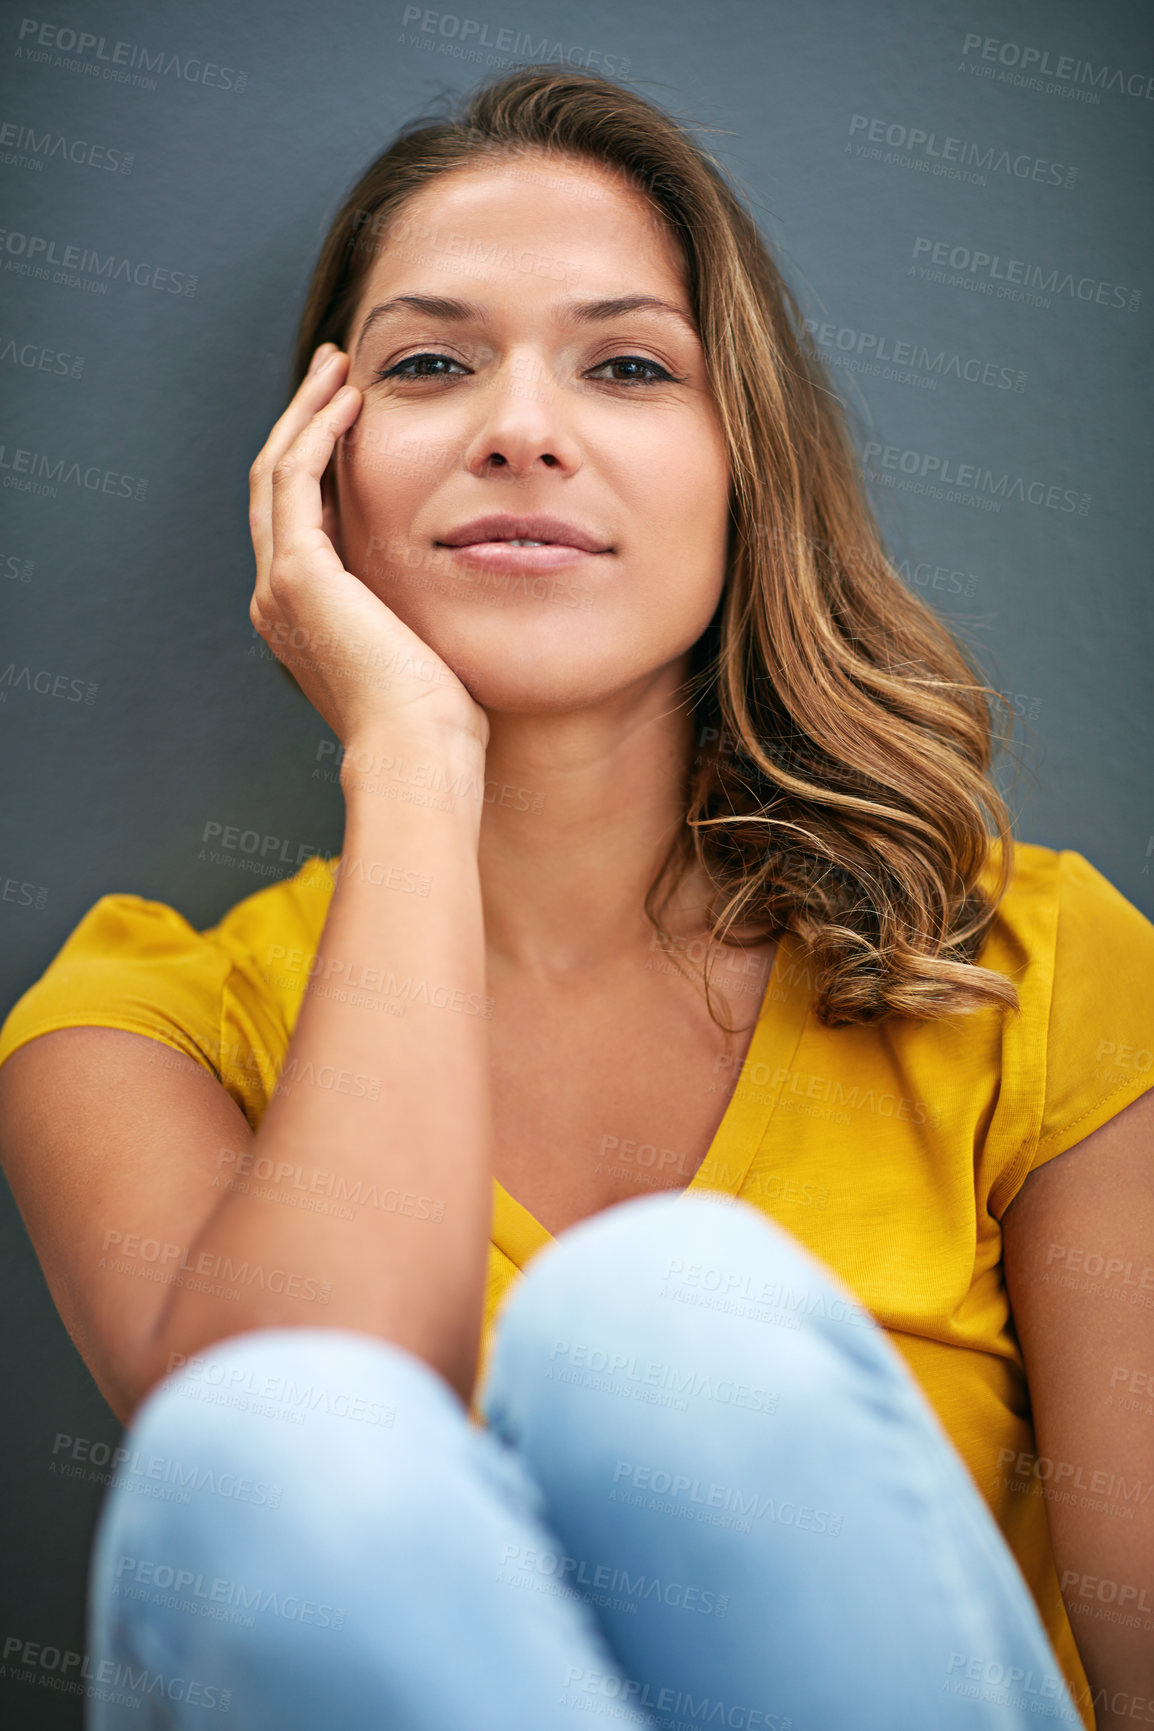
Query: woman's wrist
(440, 767)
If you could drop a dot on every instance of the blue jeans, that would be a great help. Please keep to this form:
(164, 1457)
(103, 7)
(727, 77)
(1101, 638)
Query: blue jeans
(710, 1493)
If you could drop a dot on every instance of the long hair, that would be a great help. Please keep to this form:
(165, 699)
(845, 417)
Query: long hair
(840, 784)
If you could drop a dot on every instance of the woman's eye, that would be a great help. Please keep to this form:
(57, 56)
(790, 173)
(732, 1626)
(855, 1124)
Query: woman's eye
(398, 371)
(654, 373)
(637, 361)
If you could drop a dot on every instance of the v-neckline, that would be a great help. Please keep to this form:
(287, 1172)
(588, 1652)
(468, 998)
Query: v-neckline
(782, 1014)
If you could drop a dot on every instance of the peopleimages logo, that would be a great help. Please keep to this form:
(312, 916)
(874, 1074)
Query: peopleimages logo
(449, 32)
(1019, 278)
(902, 356)
(104, 1679)
(931, 152)
(1031, 65)
(39, 472)
(122, 62)
(25, 147)
(34, 254)
(934, 474)
(607, 1577)
(146, 1572)
(129, 1464)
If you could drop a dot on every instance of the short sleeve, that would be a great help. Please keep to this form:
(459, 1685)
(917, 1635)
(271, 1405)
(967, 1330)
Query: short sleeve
(131, 964)
(1100, 1039)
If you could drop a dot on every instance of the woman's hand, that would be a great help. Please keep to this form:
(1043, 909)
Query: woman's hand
(360, 666)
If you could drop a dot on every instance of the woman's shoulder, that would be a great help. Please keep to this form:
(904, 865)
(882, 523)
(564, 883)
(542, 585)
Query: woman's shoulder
(998, 1091)
(1081, 1048)
(138, 963)
(1064, 918)
(288, 914)
(1081, 955)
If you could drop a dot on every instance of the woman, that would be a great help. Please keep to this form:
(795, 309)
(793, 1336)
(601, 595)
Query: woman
(697, 718)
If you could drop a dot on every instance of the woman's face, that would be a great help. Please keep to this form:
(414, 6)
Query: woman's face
(533, 394)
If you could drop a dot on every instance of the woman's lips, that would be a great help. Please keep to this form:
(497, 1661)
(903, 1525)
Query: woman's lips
(505, 556)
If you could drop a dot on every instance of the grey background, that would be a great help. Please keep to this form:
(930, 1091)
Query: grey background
(146, 599)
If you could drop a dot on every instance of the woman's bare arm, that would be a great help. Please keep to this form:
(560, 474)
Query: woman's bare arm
(1087, 1343)
(105, 1137)
(120, 1151)
(397, 993)
(136, 1172)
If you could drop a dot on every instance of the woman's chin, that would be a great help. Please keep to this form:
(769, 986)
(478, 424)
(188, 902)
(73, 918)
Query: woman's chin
(536, 690)
(531, 665)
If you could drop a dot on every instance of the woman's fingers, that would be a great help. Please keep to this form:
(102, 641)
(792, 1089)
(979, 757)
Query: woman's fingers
(325, 624)
(315, 390)
(297, 509)
(320, 355)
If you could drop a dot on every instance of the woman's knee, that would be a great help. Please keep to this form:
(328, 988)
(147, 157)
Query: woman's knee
(672, 1277)
(703, 1252)
(272, 1393)
(264, 1431)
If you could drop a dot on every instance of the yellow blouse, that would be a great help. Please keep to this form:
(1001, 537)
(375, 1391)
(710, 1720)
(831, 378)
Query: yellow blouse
(890, 1151)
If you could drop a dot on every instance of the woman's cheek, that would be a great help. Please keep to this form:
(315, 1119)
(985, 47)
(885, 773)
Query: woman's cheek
(369, 526)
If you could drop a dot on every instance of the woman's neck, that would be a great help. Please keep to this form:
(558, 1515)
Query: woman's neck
(579, 811)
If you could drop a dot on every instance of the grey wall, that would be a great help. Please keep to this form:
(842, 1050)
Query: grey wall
(876, 138)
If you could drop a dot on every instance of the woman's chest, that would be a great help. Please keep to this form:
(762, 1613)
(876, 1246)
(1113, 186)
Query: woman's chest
(597, 1101)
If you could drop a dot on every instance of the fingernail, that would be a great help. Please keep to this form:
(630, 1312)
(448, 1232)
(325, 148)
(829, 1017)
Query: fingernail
(320, 356)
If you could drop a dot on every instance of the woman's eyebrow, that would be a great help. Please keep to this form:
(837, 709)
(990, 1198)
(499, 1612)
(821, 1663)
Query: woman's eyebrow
(566, 312)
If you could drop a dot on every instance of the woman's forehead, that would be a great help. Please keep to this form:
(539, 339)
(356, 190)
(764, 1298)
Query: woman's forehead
(472, 235)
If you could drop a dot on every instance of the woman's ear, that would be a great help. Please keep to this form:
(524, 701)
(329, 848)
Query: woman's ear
(330, 506)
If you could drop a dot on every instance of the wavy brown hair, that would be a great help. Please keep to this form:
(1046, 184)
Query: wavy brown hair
(841, 782)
